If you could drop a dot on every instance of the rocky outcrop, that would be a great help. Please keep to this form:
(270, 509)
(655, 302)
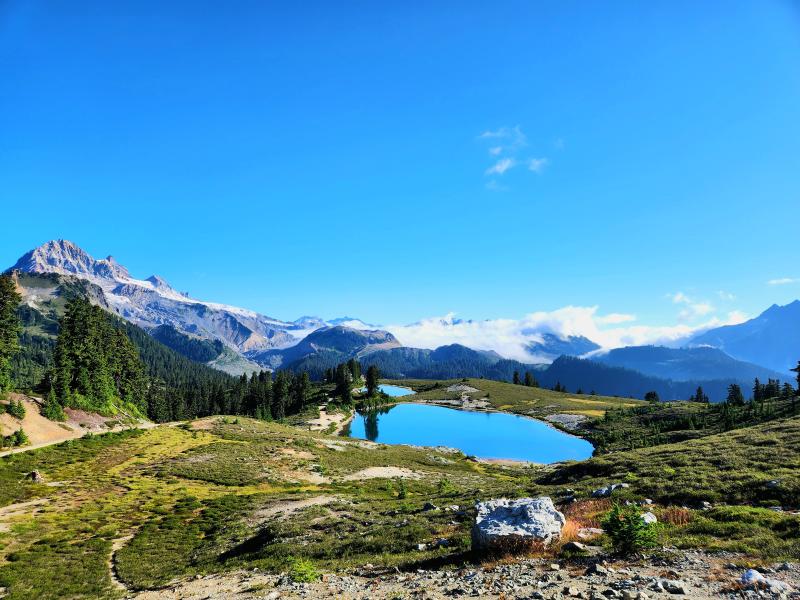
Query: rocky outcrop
(605, 492)
(504, 525)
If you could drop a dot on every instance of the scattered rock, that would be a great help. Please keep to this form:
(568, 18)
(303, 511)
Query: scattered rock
(503, 524)
(35, 477)
(649, 518)
(596, 569)
(606, 491)
(574, 547)
(755, 580)
(428, 507)
(673, 587)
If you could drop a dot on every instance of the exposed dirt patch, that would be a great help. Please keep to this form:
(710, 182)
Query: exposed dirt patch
(44, 432)
(383, 472)
(284, 509)
(460, 387)
(332, 423)
(302, 454)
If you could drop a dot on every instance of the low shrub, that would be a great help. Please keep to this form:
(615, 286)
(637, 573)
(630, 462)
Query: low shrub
(628, 531)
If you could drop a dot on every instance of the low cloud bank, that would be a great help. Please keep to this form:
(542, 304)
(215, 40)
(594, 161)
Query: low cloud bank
(511, 337)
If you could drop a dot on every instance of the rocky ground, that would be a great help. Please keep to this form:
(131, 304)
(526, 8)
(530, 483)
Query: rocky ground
(674, 574)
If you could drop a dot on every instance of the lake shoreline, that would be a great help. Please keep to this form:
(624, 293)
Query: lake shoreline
(495, 458)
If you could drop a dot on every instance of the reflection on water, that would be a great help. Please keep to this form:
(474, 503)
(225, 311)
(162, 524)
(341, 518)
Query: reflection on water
(488, 435)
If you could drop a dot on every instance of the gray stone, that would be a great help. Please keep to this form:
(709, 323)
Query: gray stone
(502, 524)
(674, 587)
(649, 518)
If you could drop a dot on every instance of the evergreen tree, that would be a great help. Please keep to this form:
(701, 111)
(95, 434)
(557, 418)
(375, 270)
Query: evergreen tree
(652, 396)
(300, 389)
(51, 409)
(373, 375)
(516, 380)
(280, 395)
(735, 396)
(758, 391)
(344, 379)
(699, 395)
(9, 329)
(530, 380)
(355, 369)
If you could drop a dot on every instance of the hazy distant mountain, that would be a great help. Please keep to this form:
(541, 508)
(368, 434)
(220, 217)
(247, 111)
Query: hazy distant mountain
(772, 339)
(552, 346)
(685, 364)
(589, 375)
(325, 348)
(445, 362)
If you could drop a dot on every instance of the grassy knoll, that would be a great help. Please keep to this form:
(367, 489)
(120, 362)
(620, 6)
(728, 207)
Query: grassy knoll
(755, 465)
(226, 493)
(657, 423)
(531, 401)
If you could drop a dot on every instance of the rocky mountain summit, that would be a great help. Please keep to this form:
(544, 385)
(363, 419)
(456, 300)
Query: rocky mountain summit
(152, 302)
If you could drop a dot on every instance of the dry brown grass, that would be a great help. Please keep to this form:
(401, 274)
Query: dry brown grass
(677, 516)
(587, 513)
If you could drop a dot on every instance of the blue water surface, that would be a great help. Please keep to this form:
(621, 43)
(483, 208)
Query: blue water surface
(481, 434)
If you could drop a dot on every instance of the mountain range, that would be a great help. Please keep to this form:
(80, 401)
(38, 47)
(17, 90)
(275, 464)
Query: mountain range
(238, 340)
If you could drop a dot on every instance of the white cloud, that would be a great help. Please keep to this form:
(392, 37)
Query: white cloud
(736, 316)
(537, 164)
(783, 281)
(511, 136)
(693, 309)
(679, 298)
(501, 166)
(510, 337)
(495, 150)
(726, 296)
(615, 319)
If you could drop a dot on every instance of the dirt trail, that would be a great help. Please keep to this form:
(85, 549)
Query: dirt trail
(43, 432)
(116, 546)
(327, 419)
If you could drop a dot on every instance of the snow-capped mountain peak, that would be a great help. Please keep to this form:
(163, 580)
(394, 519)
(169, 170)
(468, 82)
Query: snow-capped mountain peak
(153, 302)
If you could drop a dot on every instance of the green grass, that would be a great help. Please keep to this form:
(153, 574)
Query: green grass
(735, 467)
(204, 501)
(519, 399)
(653, 424)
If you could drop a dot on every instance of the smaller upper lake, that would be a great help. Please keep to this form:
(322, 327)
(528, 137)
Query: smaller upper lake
(482, 434)
(395, 391)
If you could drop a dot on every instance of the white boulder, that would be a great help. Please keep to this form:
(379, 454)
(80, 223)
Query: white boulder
(505, 524)
(649, 518)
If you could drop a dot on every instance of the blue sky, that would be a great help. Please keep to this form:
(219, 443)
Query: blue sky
(397, 161)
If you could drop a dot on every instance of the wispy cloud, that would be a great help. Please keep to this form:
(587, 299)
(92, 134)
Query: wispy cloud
(509, 137)
(506, 145)
(615, 319)
(537, 164)
(692, 309)
(783, 281)
(726, 296)
(501, 166)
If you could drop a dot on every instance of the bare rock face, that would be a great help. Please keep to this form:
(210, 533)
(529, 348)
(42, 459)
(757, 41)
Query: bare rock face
(504, 525)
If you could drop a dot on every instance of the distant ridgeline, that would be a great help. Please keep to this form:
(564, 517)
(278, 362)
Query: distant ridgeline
(81, 356)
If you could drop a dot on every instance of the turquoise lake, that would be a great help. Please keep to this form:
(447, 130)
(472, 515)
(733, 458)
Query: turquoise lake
(481, 434)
